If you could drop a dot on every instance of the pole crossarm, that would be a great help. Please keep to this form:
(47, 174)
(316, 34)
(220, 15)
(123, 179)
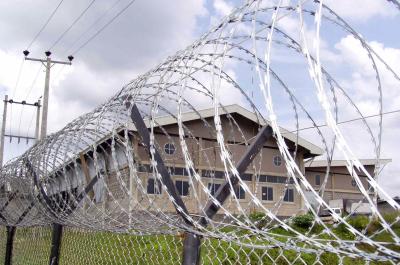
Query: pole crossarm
(45, 61)
(36, 104)
(20, 137)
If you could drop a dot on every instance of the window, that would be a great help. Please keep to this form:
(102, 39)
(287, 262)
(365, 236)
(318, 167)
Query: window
(353, 183)
(267, 193)
(169, 148)
(246, 177)
(152, 188)
(274, 179)
(213, 174)
(289, 195)
(277, 161)
(179, 171)
(182, 187)
(213, 187)
(240, 193)
(317, 180)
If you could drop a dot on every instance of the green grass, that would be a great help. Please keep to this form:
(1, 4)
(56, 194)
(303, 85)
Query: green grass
(81, 247)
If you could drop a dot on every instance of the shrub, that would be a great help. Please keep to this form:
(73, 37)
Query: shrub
(259, 219)
(303, 221)
(374, 226)
(391, 219)
(359, 222)
(317, 228)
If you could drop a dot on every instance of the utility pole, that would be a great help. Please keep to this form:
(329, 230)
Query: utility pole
(10, 228)
(48, 63)
(3, 129)
(3, 126)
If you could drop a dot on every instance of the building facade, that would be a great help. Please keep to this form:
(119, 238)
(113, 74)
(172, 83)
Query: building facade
(266, 178)
(340, 186)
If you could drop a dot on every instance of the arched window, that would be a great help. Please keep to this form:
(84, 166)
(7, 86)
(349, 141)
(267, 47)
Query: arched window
(169, 148)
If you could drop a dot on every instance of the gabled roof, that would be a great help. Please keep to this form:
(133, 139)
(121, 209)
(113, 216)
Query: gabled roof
(234, 108)
(342, 163)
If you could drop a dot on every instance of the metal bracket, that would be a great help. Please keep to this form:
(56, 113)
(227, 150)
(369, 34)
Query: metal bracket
(192, 243)
(10, 198)
(162, 170)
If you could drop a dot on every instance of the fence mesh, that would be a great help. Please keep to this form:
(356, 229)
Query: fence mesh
(3, 240)
(81, 246)
(31, 245)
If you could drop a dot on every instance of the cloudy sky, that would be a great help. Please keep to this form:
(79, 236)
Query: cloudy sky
(148, 32)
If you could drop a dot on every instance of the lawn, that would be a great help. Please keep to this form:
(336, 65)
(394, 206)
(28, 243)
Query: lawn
(82, 247)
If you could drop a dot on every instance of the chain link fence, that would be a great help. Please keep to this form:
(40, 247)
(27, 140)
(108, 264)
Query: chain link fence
(81, 246)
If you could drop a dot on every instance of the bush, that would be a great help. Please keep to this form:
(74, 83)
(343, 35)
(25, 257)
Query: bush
(303, 221)
(359, 222)
(259, 219)
(391, 219)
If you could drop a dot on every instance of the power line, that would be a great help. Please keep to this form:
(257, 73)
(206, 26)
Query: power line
(21, 66)
(73, 23)
(92, 26)
(105, 26)
(45, 25)
(26, 97)
(347, 121)
(15, 88)
(99, 31)
(34, 82)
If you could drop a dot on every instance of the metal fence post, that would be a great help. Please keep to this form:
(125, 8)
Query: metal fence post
(56, 244)
(191, 249)
(9, 245)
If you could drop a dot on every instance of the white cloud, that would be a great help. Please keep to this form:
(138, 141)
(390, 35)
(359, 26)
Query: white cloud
(139, 39)
(222, 8)
(362, 10)
(363, 88)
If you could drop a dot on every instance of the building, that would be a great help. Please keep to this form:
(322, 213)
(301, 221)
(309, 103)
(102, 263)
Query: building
(385, 208)
(120, 186)
(341, 188)
(266, 176)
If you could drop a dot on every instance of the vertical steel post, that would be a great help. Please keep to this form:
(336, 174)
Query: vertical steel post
(9, 245)
(191, 249)
(3, 129)
(56, 244)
